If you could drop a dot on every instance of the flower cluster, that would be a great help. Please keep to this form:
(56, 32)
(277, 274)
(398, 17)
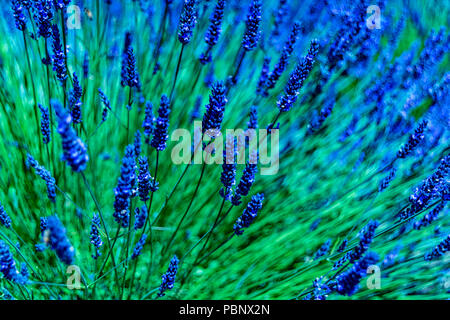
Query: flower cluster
(58, 240)
(284, 58)
(19, 17)
(5, 220)
(279, 14)
(59, 56)
(74, 150)
(252, 32)
(249, 214)
(246, 182)
(131, 74)
(434, 186)
(96, 240)
(45, 124)
(365, 239)
(160, 135)
(137, 143)
(387, 180)
(413, 140)
(188, 19)
(140, 216)
(212, 119)
(124, 67)
(7, 263)
(439, 250)
(430, 216)
(145, 181)
(297, 78)
(44, 17)
(261, 87)
(106, 104)
(213, 32)
(124, 189)
(75, 100)
(347, 283)
(316, 123)
(45, 175)
(168, 279)
(228, 175)
(323, 250)
(321, 289)
(139, 246)
(149, 122)
(253, 118)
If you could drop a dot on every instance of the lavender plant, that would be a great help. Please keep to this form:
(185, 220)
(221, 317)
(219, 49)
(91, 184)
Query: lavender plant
(119, 193)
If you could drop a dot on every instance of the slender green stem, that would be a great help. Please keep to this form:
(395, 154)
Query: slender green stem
(38, 133)
(147, 220)
(217, 248)
(186, 211)
(126, 255)
(97, 205)
(209, 233)
(164, 206)
(177, 71)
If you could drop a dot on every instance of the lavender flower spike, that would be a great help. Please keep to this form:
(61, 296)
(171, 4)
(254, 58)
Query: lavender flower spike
(139, 246)
(249, 214)
(298, 76)
(96, 240)
(252, 32)
(7, 263)
(347, 283)
(149, 122)
(284, 58)
(46, 176)
(188, 19)
(145, 180)
(212, 119)
(413, 140)
(74, 150)
(168, 279)
(228, 176)
(59, 241)
(246, 182)
(5, 220)
(439, 250)
(162, 125)
(44, 17)
(213, 32)
(45, 124)
(124, 189)
(19, 17)
(59, 56)
(75, 100)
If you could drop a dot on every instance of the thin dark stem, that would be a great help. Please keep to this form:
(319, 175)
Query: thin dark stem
(147, 220)
(209, 233)
(238, 68)
(178, 181)
(177, 71)
(97, 205)
(212, 229)
(187, 210)
(34, 90)
(126, 255)
(217, 248)
(128, 113)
